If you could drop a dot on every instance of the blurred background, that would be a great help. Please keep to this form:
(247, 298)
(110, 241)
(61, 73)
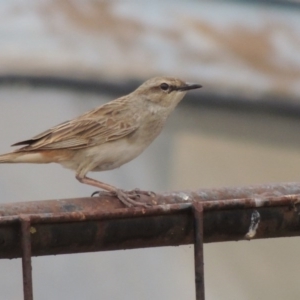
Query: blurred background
(59, 59)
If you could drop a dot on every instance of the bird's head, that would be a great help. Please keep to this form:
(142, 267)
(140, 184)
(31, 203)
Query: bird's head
(164, 91)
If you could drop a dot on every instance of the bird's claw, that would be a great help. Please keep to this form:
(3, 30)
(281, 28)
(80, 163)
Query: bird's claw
(128, 198)
(96, 193)
(138, 192)
(100, 193)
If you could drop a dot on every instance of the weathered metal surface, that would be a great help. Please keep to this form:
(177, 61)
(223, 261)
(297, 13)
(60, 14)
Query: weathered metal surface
(26, 257)
(97, 224)
(198, 250)
(101, 229)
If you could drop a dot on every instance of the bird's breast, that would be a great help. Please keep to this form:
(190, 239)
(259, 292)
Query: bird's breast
(114, 154)
(147, 132)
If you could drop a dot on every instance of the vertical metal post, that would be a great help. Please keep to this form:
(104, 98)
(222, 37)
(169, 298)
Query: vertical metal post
(26, 257)
(198, 250)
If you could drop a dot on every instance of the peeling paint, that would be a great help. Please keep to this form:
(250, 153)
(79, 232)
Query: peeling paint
(255, 219)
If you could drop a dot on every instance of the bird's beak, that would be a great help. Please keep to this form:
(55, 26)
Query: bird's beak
(188, 86)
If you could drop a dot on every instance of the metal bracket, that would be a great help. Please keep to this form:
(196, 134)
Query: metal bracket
(26, 257)
(198, 249)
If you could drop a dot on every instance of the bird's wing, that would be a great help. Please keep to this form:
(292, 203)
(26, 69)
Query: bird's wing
(101, 125)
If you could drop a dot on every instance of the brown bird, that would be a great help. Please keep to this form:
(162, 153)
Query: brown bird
(107, 137)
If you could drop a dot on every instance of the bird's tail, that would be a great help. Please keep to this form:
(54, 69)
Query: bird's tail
(20, 157)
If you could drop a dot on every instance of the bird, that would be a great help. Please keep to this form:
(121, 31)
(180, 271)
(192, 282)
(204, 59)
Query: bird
(108, 136)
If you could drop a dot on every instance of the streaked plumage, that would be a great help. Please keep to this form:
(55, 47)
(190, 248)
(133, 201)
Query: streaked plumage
(108, 136)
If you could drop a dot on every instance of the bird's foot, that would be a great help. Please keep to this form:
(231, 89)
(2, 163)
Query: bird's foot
(139, 192)
(128, 198)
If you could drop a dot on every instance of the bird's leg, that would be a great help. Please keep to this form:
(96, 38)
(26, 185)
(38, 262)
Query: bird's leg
(123, 196)
(96, 183)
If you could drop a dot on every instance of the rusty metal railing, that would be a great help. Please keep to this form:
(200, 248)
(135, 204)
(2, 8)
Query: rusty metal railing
(207, 215)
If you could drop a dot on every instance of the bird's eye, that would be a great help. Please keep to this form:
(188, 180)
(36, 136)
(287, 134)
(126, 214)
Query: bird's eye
(164, 86)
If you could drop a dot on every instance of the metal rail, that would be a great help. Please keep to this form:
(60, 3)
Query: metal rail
(97, 224)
